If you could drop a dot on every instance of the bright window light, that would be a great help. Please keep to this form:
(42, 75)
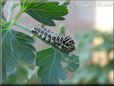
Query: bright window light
(104, 16)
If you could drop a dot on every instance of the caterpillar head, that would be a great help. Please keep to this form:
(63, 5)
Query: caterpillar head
(70, 44)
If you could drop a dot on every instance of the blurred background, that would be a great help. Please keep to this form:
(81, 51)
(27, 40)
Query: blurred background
(90, 23)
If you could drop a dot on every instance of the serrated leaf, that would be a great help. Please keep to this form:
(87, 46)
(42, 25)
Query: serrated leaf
(43, 11)
(50, 68)
(54, 56)
(73, 63)
(16, 46)
(71, 60)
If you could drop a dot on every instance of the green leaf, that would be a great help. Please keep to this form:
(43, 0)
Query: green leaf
(11, 79)
(66, 2)
(2, 3)
(19, 76)
(16, 46)
(0, 62)
(49, 62)
(43, 11)
(62, 30)
(3, 76)
(50, 68)
(73, 63)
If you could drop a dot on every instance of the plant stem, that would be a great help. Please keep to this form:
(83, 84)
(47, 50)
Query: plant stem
(25, 28)
(15, 19)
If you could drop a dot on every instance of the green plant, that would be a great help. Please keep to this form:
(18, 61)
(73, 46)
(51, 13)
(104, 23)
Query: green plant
(19, 54)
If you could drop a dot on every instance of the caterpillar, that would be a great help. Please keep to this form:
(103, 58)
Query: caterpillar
(65, 43)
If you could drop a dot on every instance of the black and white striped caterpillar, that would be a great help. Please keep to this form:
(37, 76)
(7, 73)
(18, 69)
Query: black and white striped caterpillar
(65, 43)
